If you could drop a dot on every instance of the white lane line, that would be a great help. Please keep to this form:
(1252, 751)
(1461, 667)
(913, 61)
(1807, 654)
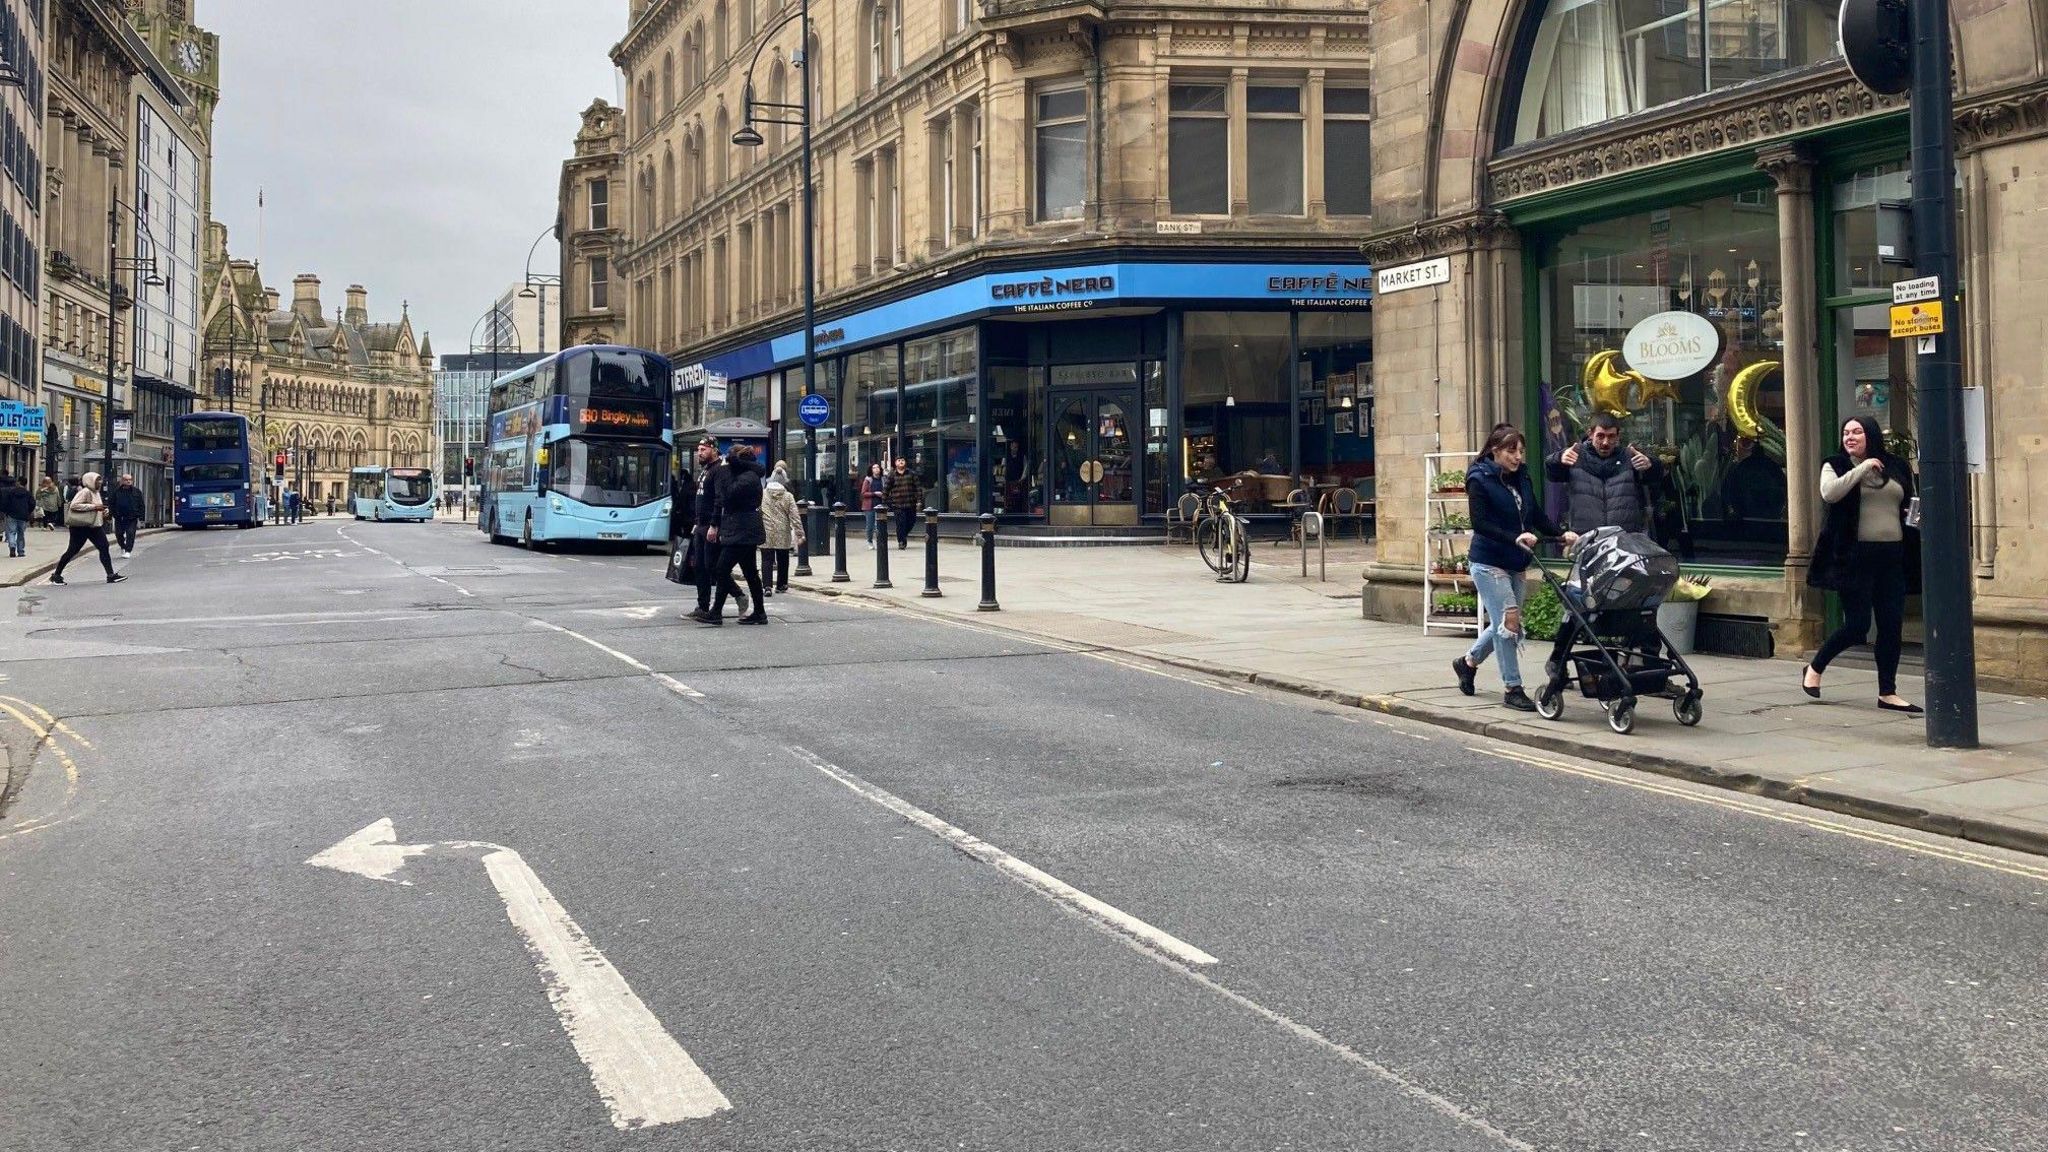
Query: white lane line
(1161, 948)
(677, 686)
(643, 1075)
(1047, 885)
(600, 646)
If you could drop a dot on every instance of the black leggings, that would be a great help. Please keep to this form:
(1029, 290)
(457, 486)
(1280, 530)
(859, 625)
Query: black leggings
(775, 568)
(744, 557)
(97, 537)
(1875, 586)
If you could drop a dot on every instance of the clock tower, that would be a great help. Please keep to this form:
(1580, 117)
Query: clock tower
(193, 55)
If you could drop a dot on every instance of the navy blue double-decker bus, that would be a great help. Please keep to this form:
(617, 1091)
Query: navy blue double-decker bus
(217, 470)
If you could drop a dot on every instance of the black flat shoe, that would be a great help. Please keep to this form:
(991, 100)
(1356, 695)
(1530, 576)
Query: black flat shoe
(1468, 676)
(755, 619)
(56, 579)
(1518, 700)
(1812, 691)
(116, 578)
(1908, 709)
(714, 621)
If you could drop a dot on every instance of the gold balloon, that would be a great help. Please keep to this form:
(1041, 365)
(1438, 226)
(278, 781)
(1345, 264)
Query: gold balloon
(1606, 386)
(1742, 398)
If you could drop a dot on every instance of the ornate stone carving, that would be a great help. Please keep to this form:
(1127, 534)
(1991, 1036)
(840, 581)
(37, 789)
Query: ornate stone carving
(1790, 167)
(1817, 102)
(2017, 116)
(1438, 237)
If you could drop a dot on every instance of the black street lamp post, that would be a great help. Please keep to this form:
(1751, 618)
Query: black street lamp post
(465, 404)
(145, 268)
(541, 282)
(750, 137)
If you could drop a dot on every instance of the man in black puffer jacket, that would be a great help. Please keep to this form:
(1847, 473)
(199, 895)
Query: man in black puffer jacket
(740, 536)
(127, 510)
(1604, 484)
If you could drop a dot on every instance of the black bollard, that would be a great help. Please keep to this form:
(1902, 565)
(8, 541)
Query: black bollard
(821, 531)
(882, 551)
(839, 575)
(803, 538)
(988, 565)
(931, 553)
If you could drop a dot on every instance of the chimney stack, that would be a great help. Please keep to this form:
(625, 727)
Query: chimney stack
(306, 299)
(358, 306)
(270, 300)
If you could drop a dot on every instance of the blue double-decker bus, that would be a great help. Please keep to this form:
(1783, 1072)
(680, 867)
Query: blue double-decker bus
(217, 472)
(578, 449)
(376, 493)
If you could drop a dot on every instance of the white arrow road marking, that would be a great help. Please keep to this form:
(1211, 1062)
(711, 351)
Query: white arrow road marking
(631, 611)
(644, 1077)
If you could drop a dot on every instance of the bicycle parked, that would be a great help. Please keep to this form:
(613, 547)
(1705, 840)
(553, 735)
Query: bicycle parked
(1221, 535)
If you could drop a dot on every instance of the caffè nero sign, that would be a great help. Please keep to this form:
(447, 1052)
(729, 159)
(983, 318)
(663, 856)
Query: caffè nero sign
(1672, 346)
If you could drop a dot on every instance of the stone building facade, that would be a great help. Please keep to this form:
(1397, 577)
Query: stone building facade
(593, 230)
(92, 57)
(21, 216)
(333, 389)
(1585, 167)
(1120, 229)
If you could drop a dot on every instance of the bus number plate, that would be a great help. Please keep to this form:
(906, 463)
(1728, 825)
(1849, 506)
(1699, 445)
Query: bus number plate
(611, 535)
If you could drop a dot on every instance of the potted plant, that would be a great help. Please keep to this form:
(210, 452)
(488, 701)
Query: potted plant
(1678, 617)
(1450, 521)
(1448, 482)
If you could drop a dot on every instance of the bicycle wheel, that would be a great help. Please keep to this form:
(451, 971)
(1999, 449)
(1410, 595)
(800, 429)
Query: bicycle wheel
(1241, 540)
(1209, 542)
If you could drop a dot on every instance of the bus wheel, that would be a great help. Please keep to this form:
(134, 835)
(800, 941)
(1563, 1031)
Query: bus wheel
(497, 537)
(526, 533)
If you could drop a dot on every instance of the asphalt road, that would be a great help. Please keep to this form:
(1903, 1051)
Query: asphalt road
(897, 884)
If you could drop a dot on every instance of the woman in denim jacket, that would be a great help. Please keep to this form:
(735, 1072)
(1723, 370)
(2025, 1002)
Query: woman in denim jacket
(1507, 522)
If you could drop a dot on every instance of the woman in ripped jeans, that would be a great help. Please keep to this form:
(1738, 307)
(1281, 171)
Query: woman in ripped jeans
(1507, 522)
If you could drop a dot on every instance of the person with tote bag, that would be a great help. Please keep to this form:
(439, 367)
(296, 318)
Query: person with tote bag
(86, 515)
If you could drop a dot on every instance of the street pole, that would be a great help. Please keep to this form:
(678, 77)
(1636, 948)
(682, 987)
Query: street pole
(803, 29)
(1951, 655)
(113, 322)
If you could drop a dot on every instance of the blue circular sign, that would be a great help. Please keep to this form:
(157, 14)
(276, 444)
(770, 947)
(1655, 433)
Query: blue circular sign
(814, 410)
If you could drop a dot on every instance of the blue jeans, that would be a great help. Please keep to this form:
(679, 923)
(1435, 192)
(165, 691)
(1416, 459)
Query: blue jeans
(1499, 590)
(16, 539)
(871, 514)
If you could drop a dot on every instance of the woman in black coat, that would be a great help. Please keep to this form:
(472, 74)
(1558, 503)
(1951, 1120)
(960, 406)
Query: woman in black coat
(740, 535)
(1864, 554)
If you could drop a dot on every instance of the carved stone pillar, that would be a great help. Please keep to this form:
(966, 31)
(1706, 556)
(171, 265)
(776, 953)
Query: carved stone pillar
(1791, 168)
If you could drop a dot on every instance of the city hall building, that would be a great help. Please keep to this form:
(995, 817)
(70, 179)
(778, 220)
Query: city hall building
(1564, 171)
(1066, 261)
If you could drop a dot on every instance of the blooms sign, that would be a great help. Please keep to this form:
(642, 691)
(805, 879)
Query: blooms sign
(1672, 346)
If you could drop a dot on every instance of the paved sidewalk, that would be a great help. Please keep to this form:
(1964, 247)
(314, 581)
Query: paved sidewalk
(1761, 734)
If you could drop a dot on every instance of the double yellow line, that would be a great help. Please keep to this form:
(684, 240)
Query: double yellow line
(1782, 813)
(47, 729)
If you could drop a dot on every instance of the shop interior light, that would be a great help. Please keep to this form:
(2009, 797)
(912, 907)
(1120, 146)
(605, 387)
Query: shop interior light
(1230, 401)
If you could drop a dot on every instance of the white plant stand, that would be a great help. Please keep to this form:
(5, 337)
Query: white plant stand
(1441, 544)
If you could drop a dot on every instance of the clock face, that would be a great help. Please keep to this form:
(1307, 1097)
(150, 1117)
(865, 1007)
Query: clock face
(189, 57)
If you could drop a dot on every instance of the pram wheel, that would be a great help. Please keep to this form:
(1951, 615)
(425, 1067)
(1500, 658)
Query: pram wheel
(1550, 703)
(1687, 709)
(1622, 717)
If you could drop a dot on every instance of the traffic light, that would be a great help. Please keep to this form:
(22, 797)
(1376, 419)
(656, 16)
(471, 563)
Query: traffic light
(280, 465)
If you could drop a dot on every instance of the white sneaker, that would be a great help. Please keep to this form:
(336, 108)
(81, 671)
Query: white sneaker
(127, 555)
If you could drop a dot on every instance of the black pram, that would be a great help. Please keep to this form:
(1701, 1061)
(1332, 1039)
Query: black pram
(1608, 642)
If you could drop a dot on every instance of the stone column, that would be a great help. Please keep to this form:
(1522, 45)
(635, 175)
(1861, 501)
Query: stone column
(1791, 168)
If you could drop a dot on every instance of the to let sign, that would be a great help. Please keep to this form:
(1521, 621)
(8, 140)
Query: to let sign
(1922, 319)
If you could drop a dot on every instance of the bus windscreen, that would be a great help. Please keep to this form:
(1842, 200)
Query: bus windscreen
(411, 486)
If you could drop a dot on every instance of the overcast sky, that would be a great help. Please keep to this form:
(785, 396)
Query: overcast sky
(410, 146)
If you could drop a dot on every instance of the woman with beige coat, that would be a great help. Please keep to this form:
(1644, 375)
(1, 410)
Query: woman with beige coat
(782, 524)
